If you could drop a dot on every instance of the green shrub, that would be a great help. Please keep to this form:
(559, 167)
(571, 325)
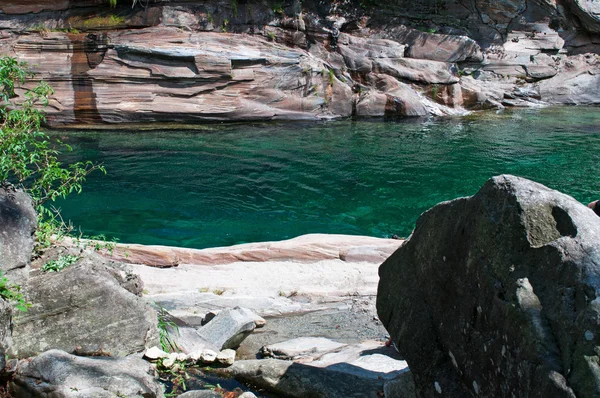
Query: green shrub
(13, 293)
(60, 263)
(29, 158)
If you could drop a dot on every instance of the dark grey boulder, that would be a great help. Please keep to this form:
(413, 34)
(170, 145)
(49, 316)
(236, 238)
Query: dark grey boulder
(18, 221)
(497, 295)
(57, 374)
(85, 309)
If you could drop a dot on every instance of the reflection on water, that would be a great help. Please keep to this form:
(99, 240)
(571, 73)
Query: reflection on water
(228, 184)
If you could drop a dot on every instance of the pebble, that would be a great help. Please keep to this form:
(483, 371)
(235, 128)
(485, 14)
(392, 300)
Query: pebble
(155, 353)
(208, 356)
(226, 357)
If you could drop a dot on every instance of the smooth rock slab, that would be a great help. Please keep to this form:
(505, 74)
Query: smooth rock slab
(58, 374)
(368, 359)
(301, 347)
(226, 357)
(200, 394)
(300, 380)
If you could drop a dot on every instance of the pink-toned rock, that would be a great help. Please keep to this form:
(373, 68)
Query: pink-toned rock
(306, 249)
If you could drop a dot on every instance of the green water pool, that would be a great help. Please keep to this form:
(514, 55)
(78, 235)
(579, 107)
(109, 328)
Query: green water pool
(220, 185)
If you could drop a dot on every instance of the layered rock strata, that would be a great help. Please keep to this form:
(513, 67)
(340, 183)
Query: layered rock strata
(189, 62)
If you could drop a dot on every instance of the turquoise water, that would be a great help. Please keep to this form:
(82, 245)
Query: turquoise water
(227, 184)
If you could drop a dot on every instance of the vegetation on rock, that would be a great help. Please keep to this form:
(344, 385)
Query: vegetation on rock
(11, 292)
(29, 158)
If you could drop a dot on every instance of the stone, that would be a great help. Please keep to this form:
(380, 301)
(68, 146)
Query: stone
(494, 294)
(201, 394)
(417, 70)
(576, 84)
(170, 360)
(247, 394)
(301, 380)
(301, 347)
(58, 374)
(433, 46)
(18, 221)
(84, 309)
(5, 330)
(305, 248)
(189, 340)
(154, 353)
(228, 329)
(367, 359)
(588, 12)
(208, 356)
(226, 357)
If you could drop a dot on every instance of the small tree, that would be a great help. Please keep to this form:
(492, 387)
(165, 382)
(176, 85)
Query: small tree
(29, 158)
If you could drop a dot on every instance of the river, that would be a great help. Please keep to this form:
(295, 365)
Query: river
(223, 184)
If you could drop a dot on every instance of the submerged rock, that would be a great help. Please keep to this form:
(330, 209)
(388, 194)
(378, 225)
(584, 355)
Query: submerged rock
(496, 295)
(58, 374)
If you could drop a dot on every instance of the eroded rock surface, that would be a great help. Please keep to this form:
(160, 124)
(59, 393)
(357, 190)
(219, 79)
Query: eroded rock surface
(58, 374)
(496, 295)
(190, 62)
(91, 308)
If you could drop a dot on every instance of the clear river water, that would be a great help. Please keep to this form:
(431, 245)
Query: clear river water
(223, 184)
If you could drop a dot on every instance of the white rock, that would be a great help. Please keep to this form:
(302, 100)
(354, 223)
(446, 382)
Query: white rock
(182, 357)
(259, 321)
(208, 356)
(226, 357)
(300, 347)
(169, 361)
(155, 353)
(194, 356)
(247, 394)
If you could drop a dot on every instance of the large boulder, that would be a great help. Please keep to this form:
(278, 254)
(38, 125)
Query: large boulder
(497, 295)
(60, 375)
(17, 225)
(88, 308)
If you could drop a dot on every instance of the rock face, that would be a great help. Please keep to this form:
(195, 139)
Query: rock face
(496, 295)
(18, 221)
(58, 374)
(190, 61)
(85, 309)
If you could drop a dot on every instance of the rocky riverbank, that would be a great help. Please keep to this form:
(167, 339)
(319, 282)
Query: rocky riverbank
(495, 294)
(307, 303)
(186, 62)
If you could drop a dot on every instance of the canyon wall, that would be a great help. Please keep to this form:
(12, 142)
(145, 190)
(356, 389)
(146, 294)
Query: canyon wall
(234, 60)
